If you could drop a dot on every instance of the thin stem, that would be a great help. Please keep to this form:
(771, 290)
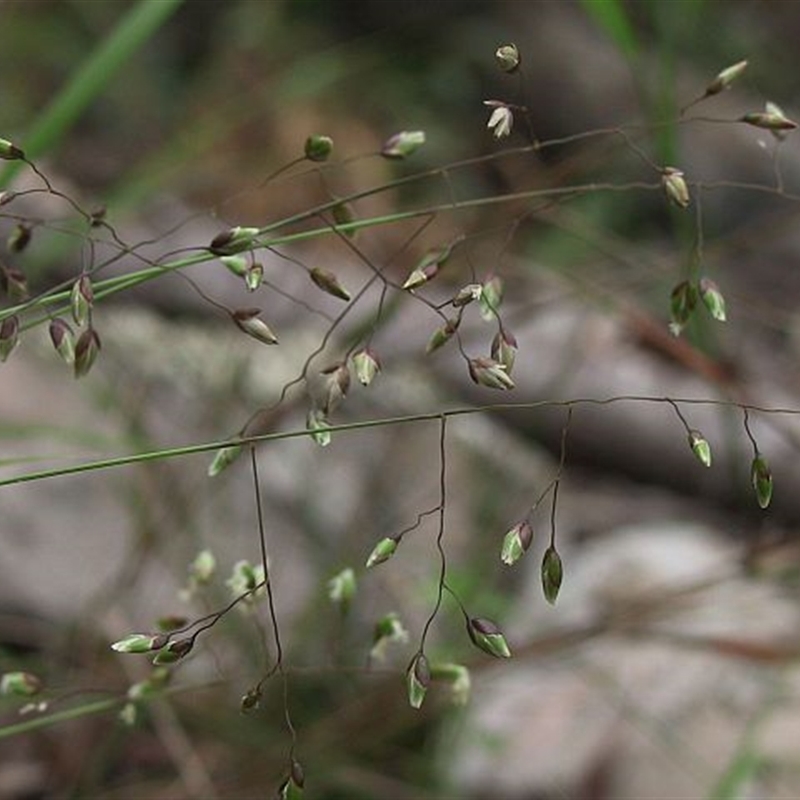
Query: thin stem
(210, 620)
(112, 286)
(680, 415)
(46, 721)
(553, 514)
(177, 452)
(400, 534)
(262, 541)
(440, 532)
(273, 615)
(264, 413)
(749, 432)
(557, 483)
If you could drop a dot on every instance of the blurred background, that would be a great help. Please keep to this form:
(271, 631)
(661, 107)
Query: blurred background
(667, 668)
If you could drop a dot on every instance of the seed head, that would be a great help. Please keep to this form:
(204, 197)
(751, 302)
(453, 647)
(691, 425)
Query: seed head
(682, 304)
(366, 364)
(329, 283)
(237, 264)
(488, 637)
(775, 109)
(254, 276)
(82, 299)
(20, 238)
(725, 78)
(403, 144)
(466, 295)
(382, 551)
(428, 266)
(490, 373)
(418, 679)
(552, 574)
(10, 152)
(63, 339)
(140, 643)
(769, 120)
(501, 120)
(20, 684)
(442, 335)
(14, 283)
(318, 148)
(234, 240)
(491, 297)
(9, 336)
(507, 57)
(337, 384)
(675, 187)
(516, 542)
(317, 424)
(712, 299)
(223, 458)
(504, 349)
(87, 349)
(247, 320)
(251, 700)
(388, 629)
(174, 651)
(700, 447)
(342, 588)
(762, 480)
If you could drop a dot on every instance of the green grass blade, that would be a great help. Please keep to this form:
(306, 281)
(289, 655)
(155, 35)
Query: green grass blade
(746, 762)
(33, 723)
(612, 17)
(133, 30)
(736, 778)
